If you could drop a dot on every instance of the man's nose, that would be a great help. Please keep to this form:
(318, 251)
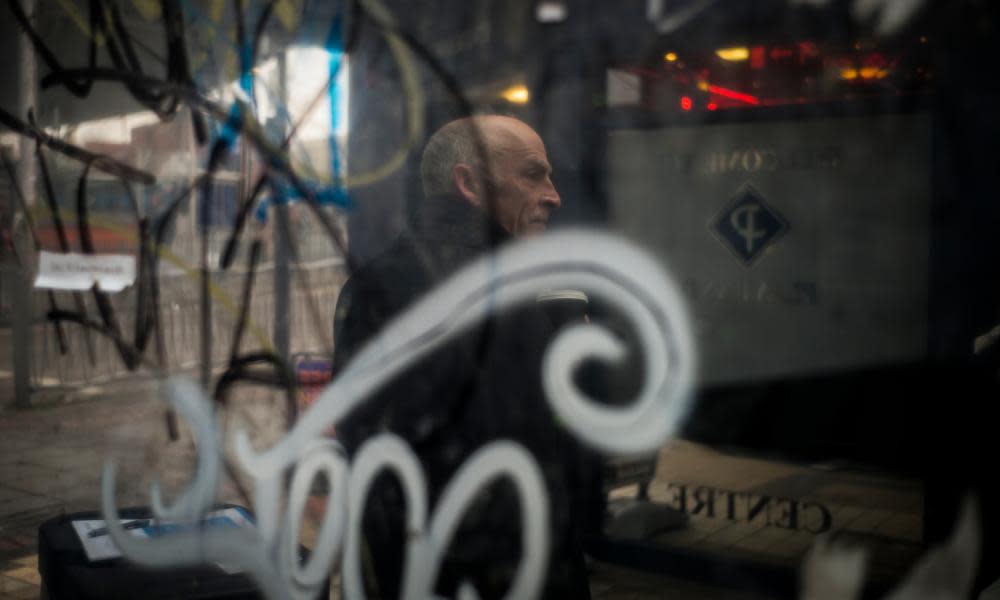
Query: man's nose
(551, 197)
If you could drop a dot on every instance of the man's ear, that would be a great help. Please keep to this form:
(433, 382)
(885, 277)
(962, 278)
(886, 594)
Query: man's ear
(467, 184)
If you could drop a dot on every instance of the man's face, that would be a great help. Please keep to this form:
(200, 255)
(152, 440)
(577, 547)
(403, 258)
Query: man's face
(523, 196)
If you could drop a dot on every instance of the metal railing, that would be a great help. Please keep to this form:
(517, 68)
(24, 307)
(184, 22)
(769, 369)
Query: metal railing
(90, 358)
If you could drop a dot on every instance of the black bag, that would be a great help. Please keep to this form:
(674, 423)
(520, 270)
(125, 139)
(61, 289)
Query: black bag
(66, 572)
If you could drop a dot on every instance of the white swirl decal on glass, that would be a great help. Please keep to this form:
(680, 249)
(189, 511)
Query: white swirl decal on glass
(603, 266)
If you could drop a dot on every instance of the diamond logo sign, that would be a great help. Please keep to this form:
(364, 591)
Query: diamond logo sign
(748, 226)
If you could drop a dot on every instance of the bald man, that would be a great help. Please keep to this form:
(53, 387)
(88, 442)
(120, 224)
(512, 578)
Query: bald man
(496, 164)
(486, 180)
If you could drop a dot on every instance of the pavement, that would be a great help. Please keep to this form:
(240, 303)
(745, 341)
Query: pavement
(51, 459)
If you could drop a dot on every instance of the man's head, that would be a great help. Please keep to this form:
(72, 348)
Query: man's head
(495, 163)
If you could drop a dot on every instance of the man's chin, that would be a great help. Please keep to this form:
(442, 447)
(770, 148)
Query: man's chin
(534, 227)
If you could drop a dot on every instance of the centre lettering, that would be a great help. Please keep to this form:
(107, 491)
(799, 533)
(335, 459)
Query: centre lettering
(750, 508)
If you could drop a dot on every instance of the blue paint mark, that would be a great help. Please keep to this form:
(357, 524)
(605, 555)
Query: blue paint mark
(335, 194)
(232, 127)
(246, 74)
(284, 193)
(277, 196)
(228, 134)
(261, 212)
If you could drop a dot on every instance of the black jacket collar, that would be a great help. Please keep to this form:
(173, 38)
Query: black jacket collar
(453, 221)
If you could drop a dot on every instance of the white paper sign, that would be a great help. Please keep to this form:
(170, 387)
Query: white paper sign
(100, 547)
(71, 271)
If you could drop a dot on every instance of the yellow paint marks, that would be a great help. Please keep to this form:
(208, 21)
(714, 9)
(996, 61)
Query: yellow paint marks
(230, 63)
(288, 12)
(149, 9)
(215, 9)
(82, 23)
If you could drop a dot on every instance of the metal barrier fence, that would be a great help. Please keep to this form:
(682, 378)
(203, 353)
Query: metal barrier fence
(91, 358)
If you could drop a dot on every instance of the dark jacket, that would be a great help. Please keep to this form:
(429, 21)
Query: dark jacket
(483, 386)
